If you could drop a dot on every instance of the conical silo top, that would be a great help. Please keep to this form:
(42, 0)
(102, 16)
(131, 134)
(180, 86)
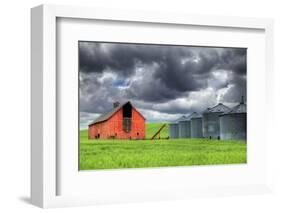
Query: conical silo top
(219, 108)
(240, 108)
(194, 115)
(207, 110)
(182, 118)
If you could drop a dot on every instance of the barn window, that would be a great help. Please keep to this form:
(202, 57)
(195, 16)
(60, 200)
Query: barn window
(127, 117)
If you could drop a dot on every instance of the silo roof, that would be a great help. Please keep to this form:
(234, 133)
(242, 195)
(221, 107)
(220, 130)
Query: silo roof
(189, 117)
(206, 110)
(182, 118)
(218, 108)
(194, 115)
(240, 108)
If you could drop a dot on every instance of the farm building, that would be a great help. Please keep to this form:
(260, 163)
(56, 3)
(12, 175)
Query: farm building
(218, 122)
(184, 127)
(174, 127)
(196, 126)
(122, 122)
(211, 122)
(234, 123)
(174, 130)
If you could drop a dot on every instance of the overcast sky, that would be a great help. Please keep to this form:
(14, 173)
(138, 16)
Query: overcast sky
(163, 82)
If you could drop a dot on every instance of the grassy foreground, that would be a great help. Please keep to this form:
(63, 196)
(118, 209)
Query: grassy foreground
(114, 154)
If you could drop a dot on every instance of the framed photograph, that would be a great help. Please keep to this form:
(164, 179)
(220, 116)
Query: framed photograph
(129, 106)
(149, 105)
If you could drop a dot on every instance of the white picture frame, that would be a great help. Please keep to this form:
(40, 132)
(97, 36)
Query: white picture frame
(44, 149)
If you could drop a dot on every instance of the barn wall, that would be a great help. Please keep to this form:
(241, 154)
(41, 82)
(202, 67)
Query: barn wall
(94, 130)
(113, 127)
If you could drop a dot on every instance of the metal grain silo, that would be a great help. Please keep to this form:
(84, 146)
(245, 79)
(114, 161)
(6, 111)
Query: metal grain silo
(184, 128)
(174, 127)
(211, 121)
(174, 130)
(196, 126)
(234, 123)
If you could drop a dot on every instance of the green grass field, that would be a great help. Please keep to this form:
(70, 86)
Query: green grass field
(115, 154)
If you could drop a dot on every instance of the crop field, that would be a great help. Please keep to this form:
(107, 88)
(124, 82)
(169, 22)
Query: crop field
(116, 154)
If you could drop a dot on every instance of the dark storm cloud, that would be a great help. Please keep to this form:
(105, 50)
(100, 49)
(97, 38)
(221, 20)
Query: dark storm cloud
(152, 76)
(95, 57)
(97, 96)
(235, 60)
(122, 58)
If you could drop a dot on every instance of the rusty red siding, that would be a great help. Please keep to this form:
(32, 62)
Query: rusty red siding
(113, 127)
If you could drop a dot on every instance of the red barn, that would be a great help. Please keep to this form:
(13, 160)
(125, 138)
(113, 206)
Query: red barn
(122, 122)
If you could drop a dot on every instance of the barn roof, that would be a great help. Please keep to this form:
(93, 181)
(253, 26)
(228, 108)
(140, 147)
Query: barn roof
(110, 113)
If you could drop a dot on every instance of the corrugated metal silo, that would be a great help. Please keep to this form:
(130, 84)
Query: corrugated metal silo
(234, 123)
(184, 128)
(211, 122)
(174, 130)
(174, 127)
(196, 126)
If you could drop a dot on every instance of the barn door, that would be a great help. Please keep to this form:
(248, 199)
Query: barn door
(127, 117)
(127, 124)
